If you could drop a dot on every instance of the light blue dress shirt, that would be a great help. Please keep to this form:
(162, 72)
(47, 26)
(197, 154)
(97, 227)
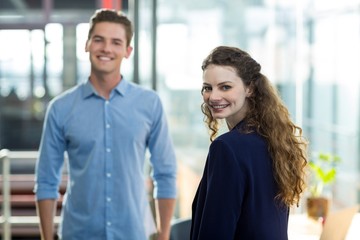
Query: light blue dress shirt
(106, 143)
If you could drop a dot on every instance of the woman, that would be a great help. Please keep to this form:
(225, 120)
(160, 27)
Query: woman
(254, 172)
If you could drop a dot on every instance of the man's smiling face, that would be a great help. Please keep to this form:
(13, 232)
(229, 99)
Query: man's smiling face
(107, 47)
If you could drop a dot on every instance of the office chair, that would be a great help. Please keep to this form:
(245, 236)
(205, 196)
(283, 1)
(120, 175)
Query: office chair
(180, 229)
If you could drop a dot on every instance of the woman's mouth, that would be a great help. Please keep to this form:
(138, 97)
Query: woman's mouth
(219, 106)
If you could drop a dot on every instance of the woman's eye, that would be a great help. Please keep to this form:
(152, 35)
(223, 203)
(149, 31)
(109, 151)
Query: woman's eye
(225, 87)
(205, 89)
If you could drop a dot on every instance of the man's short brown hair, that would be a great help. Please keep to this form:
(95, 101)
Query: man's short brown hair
(111, 15)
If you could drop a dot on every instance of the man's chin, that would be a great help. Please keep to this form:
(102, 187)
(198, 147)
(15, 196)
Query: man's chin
(102, 70)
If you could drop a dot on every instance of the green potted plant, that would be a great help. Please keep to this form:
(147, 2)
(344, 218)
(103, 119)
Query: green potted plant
(323, 170)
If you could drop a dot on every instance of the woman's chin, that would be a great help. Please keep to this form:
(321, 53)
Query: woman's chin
(218, 116)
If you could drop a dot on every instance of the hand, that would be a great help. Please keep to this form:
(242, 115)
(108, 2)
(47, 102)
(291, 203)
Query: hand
(163, 236)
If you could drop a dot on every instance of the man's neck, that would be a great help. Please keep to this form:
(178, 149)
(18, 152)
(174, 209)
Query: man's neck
(104, 84)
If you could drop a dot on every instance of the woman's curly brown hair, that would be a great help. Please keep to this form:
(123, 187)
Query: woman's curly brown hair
(269, 117)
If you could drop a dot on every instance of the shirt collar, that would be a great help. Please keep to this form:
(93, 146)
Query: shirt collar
(121, 88)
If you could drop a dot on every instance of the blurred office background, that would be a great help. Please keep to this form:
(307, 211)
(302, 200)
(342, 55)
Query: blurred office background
(310, 49)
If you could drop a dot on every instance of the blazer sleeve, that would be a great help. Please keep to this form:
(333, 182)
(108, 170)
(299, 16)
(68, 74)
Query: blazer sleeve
(225, 190)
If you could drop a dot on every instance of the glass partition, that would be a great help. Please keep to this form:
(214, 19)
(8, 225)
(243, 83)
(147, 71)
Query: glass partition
(309, 49)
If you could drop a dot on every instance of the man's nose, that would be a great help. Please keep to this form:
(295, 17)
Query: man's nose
(106, 46)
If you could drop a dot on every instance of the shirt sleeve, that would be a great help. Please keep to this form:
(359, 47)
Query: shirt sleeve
(225, 188)
(162, 156)
(48, 170)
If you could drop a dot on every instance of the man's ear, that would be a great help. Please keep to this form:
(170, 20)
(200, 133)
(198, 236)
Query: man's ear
(128, 51)
(86, 46)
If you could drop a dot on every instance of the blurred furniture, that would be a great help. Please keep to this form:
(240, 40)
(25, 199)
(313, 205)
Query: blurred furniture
(180, 229)
(18, 214)
(301, 227)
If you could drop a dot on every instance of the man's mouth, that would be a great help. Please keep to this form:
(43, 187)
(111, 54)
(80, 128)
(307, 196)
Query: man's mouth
(102, 58)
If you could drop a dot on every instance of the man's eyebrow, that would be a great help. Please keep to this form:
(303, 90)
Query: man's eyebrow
(97, 36)
(117, 39)
(113, 39)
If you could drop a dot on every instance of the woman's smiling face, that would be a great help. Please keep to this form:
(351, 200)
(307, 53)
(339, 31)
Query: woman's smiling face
(225, 94)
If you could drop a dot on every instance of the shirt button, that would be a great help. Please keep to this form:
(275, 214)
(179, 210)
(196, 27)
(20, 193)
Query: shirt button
(108, 174)
(107, 125)
(108, 199)
(108, 150)
(106, 102)
(108, 223)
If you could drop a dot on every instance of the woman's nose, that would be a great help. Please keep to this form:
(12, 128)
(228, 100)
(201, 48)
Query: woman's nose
(214, 95)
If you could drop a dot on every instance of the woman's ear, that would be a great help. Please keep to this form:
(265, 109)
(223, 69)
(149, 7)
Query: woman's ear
(248, 91)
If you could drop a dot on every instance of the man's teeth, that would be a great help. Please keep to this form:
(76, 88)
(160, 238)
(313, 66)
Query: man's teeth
(105, 58)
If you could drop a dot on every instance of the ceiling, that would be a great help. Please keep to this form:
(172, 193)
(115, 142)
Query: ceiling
(20, 5)
(30, 14)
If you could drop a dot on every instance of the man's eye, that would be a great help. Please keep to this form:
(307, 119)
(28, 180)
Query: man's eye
(225, 87)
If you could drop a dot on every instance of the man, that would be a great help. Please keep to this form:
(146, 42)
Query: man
(105, 126)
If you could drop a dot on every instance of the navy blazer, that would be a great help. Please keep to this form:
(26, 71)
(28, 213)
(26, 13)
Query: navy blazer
(236, 196)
